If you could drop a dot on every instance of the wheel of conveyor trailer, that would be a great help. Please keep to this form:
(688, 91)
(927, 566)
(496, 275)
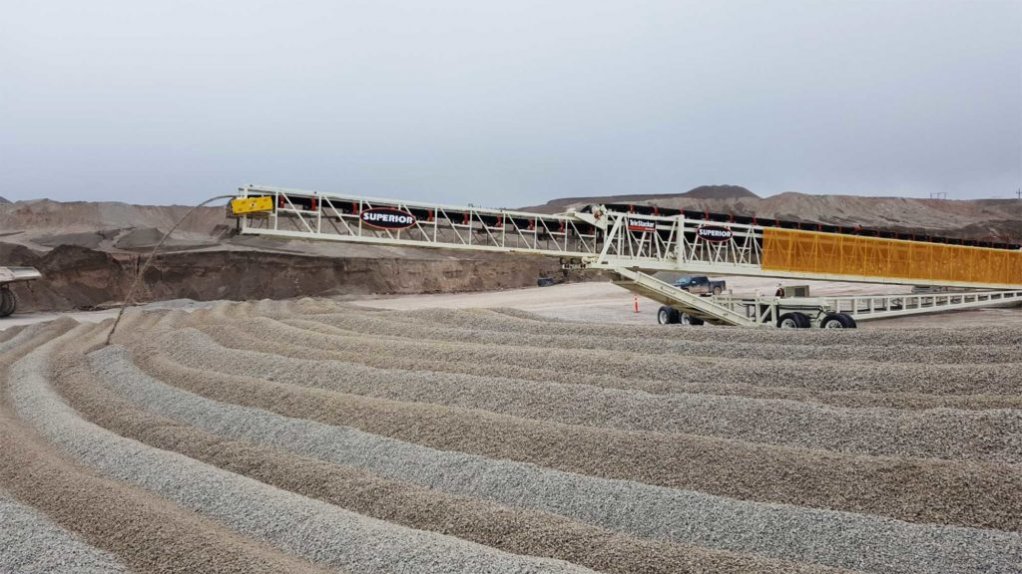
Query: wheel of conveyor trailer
(793, 321)
(667, 315)
(832, 321)
(838, 321)
(8, 302)
(848, 320)
(687, 319)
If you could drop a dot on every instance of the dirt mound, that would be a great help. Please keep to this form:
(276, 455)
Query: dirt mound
(145, 238)
(44, 215)
(308, 435)
(89, 239)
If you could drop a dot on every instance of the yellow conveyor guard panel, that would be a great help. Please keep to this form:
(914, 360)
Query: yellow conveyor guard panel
(836, 254)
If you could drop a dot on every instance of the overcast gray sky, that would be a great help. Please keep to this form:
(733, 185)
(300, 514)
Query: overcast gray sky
(508, 103)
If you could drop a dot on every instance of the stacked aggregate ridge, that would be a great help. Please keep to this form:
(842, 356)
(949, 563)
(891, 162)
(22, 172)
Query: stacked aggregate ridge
(310, 436)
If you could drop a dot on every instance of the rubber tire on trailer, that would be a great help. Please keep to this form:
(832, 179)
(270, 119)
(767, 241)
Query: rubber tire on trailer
(793, 321)
(8, 302)
(686, 319)
(834, 321)
(848, 320)
(667, 315)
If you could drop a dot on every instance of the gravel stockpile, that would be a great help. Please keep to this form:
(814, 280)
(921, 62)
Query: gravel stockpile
(309, 436)
(295, 524)
(32, 544)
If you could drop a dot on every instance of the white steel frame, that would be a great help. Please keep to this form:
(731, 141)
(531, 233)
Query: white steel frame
(336, 218)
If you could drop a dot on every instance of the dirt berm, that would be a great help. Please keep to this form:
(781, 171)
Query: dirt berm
(82, 278)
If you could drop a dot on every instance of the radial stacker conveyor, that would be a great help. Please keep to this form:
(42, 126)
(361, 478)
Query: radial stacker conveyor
(633, 242)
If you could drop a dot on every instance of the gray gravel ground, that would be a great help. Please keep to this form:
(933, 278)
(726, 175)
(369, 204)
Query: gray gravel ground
(302, 435)
(824, 537)
(32, 544)
(904, 488)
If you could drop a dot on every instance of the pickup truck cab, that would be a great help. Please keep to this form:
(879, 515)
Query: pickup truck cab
(701, 285)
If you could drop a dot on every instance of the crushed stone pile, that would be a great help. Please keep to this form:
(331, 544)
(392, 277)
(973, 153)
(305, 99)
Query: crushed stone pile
(311, 436)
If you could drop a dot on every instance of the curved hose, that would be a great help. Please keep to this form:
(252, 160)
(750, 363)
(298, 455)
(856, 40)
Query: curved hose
(145, 266)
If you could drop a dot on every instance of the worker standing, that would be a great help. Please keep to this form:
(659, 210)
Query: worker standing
(780, 291)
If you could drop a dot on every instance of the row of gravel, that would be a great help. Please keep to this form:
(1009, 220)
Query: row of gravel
(941, 433)
(238, 335)
(516, 530)
(934, 350)
(298, 525)
(789, 370)
(838, 539)
(965, 386)
(513, 320)
(30, 543)
(957, 492)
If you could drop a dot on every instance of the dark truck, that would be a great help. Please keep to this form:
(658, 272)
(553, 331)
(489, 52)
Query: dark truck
(701, 285)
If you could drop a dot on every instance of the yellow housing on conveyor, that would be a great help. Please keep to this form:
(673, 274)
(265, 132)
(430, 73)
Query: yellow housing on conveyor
(243, 205)
(838, 254)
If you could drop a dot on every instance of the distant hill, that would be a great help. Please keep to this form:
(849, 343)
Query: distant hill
(701, 192)
(719, 192)
(4, 200)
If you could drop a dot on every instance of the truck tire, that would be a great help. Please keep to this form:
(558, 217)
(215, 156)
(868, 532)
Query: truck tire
(667, 315)
(8, 302)
(687, 319)
(793, 321)
(717, 290)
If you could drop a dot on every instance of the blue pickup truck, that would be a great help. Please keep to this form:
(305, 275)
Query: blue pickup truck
(701, 285)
